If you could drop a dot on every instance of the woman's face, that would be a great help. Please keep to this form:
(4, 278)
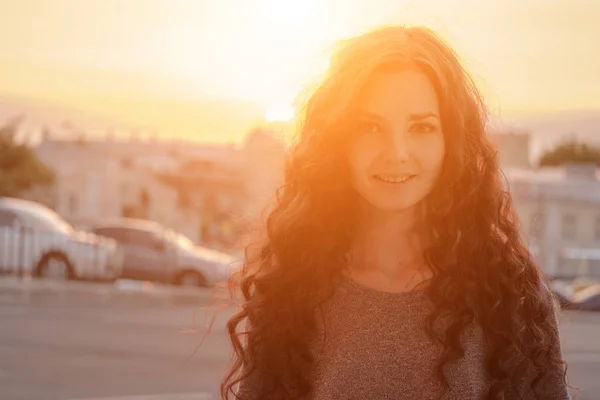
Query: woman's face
(397, 147)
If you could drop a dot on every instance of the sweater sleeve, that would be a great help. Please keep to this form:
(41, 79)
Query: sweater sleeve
(249, 388)
(554, 385)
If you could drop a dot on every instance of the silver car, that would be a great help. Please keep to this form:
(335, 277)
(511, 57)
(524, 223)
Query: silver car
(36, 241)
(155, 253)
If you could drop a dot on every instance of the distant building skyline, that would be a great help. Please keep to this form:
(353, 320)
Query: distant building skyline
(216, 66)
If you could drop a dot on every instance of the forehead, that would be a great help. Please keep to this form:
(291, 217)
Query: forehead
(399, 92)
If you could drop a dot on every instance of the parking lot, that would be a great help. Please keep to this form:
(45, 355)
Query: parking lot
(135, 341)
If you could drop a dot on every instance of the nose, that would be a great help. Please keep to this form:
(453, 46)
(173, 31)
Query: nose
(399, 147)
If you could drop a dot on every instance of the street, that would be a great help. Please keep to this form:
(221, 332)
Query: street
(84, 346)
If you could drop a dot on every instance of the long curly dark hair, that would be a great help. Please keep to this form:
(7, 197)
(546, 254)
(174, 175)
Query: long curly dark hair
(482, 269)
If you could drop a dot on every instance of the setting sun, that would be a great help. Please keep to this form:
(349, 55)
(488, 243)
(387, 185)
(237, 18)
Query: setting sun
(288, 11)
(159, 63)
(279, 113)
(299, 199)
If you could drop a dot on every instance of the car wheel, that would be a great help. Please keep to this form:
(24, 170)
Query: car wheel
(54, 266)
(191, 279)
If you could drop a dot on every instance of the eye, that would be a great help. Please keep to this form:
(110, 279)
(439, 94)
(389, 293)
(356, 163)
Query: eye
(423, 127)
(368, 127)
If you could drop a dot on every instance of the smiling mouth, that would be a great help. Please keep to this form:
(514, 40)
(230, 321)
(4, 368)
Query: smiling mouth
(394, 179)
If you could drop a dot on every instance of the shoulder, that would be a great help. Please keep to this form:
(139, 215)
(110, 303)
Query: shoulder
(548, 297)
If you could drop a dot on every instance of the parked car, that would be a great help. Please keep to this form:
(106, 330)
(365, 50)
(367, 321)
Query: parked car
(35, 240)
(581, 283)
(563, 302)
(156, 253)
(563, 292)
(587, 299)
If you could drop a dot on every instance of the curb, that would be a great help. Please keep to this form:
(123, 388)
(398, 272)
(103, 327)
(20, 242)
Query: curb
(170, 396)
(121, 292)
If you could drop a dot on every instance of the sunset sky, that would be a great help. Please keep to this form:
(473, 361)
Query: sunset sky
(157, 61)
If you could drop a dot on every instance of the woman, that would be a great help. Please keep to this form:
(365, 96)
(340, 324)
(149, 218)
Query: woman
(392, 265)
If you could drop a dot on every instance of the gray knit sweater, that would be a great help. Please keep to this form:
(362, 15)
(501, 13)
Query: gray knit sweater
(373, 345)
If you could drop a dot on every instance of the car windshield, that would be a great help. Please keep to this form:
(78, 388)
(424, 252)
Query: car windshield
(47, 220)
(184, 241)
(180, 240)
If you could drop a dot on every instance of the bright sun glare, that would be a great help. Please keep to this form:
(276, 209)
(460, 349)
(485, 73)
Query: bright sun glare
(279, 113)
(288, 11)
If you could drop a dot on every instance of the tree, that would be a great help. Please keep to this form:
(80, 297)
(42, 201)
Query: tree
(20, 169)
(571, 152)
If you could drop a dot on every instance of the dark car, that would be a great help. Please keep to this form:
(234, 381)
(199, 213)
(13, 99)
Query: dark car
(155, 253)
(563, 301)
(588, 299)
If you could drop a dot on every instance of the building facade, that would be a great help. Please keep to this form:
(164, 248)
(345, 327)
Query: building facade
(514, 148)
(93, 184)
(559, 213)
(205, 191)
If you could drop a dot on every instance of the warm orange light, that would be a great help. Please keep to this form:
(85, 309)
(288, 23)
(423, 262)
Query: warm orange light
(279, 113)
(288, 11)
(172, 60)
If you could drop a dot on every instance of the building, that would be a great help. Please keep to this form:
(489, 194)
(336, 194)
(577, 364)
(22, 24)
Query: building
(514, 148)
(217, 191)
(93, 183)
(559, 211)
(263, 159)
(232, 186)
(204, 190)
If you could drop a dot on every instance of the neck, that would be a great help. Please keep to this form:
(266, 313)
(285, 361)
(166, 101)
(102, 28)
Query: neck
(387, 241)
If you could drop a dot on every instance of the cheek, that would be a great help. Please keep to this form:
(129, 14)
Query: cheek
(432, 155)
(361, 154)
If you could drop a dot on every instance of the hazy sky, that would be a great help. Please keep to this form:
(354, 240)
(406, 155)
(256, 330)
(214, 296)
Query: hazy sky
(102, 54)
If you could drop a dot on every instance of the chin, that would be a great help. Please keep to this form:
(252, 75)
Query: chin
(394, 205)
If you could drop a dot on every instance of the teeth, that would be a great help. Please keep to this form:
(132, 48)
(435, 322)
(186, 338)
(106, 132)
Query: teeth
(394, 179)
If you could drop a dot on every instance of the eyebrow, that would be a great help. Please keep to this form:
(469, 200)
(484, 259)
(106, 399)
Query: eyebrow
(370, 115)
(416, 117)
(412, 117)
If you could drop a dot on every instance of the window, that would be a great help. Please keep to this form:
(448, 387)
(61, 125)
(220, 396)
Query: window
(593, 302)
(569, 227)
(569, 268)
(595, 269)
(73, 203)
(536, 227)
(133, 237)
(7, 219)
(147, 239)
(118, 234)
(39, 217)
(180, 240)
(124, 188)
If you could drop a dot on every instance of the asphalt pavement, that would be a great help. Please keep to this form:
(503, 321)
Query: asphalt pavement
(134, 342)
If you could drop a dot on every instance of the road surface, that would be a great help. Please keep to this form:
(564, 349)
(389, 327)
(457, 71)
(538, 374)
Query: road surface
(82, 347)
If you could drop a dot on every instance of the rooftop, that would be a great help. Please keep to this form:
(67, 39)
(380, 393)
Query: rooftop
(558, 183)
